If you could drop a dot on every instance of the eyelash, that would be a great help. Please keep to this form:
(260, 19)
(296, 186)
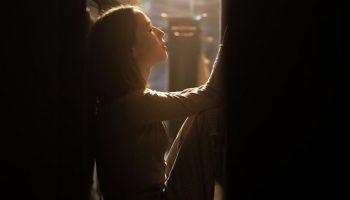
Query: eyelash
(151, 29)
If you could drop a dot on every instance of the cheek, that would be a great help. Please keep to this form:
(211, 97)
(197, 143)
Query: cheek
(143, 50)
(148, 44)
(151, 50)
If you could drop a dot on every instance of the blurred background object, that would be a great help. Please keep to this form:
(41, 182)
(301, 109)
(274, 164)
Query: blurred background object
(192, 33)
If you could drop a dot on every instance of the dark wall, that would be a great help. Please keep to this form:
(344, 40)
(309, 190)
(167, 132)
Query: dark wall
(284, 134)
(42, 100)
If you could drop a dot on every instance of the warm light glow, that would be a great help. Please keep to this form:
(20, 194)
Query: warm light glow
(188, 34)
(182, 28)
(208, 39)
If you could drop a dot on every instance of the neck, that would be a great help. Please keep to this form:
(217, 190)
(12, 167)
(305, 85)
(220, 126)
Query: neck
(145, 71)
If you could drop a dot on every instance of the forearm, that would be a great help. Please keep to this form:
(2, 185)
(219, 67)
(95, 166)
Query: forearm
(149, 105)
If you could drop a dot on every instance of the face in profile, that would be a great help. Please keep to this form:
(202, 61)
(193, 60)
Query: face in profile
(149, 47)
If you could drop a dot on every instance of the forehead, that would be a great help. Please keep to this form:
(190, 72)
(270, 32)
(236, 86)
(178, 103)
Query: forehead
(141, 18)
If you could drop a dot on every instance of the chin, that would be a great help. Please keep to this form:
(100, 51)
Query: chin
(163, 57)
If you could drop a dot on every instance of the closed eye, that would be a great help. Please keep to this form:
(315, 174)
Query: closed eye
(150, 26)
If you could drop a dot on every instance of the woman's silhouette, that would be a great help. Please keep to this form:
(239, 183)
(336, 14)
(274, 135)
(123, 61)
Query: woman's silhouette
(131, 139)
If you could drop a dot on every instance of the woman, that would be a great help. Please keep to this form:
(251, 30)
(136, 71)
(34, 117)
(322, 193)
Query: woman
(131, 138)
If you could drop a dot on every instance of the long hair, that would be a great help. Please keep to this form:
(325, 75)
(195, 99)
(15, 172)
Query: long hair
(112, 73)
(112, 69)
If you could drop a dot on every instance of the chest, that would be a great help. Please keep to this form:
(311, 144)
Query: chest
(154, 137)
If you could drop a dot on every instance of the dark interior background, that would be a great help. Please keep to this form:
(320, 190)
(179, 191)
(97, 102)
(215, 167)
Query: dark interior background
(42, 106)
(284, 131)
(285, 135)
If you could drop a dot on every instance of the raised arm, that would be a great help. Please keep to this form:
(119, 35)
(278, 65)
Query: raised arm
(149, 105)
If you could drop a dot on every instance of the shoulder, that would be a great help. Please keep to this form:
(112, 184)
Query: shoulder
(134, 103)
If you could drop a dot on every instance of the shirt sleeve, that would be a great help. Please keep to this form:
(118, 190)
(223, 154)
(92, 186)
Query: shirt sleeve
(149, 105)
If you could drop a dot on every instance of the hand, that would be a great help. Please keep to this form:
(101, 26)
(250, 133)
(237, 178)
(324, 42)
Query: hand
(218, 79)
(224, 37)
